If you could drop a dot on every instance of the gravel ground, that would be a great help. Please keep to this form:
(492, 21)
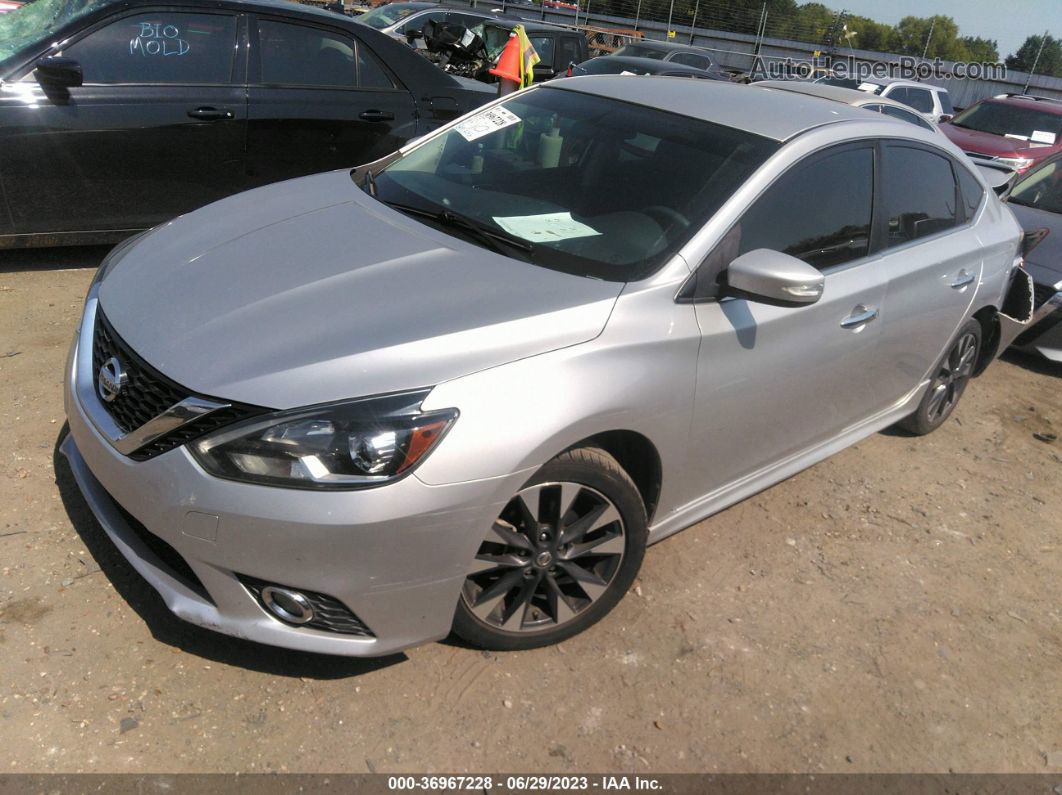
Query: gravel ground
(895, 608)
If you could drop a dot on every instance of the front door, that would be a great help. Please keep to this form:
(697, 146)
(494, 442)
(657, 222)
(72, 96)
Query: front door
(156, 130)
(320, 100)
(771, 380)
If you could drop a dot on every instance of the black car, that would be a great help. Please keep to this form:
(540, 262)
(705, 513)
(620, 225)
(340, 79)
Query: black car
(622, 64)
(557, 47)
(118, 115)
(669, 52)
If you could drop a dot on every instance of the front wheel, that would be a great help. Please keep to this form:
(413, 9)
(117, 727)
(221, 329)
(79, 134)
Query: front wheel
(949, 382)
(560, 556)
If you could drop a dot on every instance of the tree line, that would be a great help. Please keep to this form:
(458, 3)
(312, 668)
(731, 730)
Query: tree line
(817, 23)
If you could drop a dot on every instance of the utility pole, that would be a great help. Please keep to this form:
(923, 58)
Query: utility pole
(670, 12)
(1036, 61)
(929, 38)
(693, 25)
(637, 14)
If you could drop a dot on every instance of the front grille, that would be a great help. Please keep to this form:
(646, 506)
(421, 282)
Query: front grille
(148, 393)
(329, 614)
(170, 557)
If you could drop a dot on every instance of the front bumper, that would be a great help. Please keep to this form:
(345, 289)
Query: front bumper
(395, 556)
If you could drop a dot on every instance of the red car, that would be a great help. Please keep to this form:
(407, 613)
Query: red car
(1016, 130)
(9, 5)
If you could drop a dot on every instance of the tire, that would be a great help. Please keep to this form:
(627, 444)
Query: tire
(950, 378)
(534, 588)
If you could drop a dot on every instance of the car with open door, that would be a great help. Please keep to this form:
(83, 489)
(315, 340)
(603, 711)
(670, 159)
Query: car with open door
(464, 387)
(117, 116)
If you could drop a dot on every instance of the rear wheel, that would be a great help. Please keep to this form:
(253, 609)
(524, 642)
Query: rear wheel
(558, 558)
(949, 382)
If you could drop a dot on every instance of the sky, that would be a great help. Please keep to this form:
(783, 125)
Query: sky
(1008, 23)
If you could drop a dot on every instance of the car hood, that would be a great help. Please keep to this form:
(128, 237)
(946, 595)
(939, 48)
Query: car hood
(309, 291)
(1046, 258)
(991, 144)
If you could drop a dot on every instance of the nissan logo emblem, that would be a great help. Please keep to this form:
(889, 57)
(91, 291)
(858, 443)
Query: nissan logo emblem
(111, 380)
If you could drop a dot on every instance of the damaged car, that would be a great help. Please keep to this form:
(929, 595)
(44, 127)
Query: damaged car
(463, 387)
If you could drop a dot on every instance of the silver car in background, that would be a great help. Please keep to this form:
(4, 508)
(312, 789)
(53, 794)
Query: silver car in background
(463, 387)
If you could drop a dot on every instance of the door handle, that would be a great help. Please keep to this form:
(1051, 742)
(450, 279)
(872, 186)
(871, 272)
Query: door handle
(962, 280)
(211, 114)
(376, 115)
(860, 316)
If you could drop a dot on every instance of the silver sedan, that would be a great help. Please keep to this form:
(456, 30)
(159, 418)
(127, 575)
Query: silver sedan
(464, 387)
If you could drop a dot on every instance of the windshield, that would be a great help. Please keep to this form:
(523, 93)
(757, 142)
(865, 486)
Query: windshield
(34, 22)
(1041, 189)
(597, 187)
(387, 15)
(638, 51)
(1026, 124)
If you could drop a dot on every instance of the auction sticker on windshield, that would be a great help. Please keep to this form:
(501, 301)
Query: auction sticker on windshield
(486, 122)
(546, 228)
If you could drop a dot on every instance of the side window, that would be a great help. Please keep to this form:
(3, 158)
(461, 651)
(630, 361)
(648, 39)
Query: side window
(920, 99)
(692, 59)
(919, 193)
(163, 47)
(418, 22)
(945, 103)
(971, 191)
(819, 213)
(544, 46)
(297, 55)
(907, 116)
(371, 73)
(571, 51)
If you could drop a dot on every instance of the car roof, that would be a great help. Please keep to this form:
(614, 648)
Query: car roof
(670, 46)
(894, 81)
(779, 115)
(849, 96)
(650, 64)
(1046, 104)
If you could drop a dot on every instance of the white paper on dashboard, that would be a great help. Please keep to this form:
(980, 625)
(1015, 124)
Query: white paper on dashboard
(546, 228)
(486, 122)
(1016, 136)
(1042, 137)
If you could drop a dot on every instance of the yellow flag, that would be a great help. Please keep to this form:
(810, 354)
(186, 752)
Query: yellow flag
(528, 57)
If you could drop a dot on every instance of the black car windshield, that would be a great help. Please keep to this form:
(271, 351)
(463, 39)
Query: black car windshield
(587, 185)
(1041, 189)
(35, 22)
(638, 51)
(387, 15)
(1026, 124)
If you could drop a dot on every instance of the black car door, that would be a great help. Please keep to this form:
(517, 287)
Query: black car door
(156, 130)
(319, 99)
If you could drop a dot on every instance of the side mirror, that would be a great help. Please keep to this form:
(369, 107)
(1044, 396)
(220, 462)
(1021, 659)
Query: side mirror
(772, 277)
(57, 71)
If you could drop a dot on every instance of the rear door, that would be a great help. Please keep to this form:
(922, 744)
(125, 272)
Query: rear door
(773, 380)
(156, 130)
(320, 99)
(932, 256)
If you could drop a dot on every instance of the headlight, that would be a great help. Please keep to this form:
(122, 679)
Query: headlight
(350, 445)
(1017, 163)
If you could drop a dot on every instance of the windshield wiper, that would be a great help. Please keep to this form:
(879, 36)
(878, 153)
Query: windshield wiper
(480, 231)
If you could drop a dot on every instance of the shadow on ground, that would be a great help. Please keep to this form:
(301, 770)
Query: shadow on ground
(167, 628)
(1032, 362)
(44, 259)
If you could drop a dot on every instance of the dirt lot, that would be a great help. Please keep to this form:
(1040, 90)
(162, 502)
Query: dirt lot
(896, 608)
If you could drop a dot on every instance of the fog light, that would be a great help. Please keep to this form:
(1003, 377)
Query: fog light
(289, 606)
